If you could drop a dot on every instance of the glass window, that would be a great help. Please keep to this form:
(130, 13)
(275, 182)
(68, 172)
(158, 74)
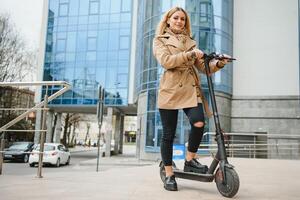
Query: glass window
(121, 93)
(180, 3)
(111, 81)
(73, 21)
(102, 55)
(151, 100)
(203, 12)
(93, 19)
(103, 40)
(124, 55)
(62, 21)
(60, 45)
(71, 42)
(122, 80)
(104, 18)
(63, 9)
(125, 17)
(104, 6)
(115, 6)
(69, 74)
(70, 57)
(113, 40)
(217, 77)
(126, 5)
(94, 7)
(115, 18)
(91, 55)
(74, 6)
(53, 7)
(124, 31)
(150, 135)
(81, 41)
(84, 7)
(124, 42)
(83, 20)
(101, 75)
(92, 43)
(166, 5)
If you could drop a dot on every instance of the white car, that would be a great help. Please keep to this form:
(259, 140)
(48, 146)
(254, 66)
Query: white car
(54, 154)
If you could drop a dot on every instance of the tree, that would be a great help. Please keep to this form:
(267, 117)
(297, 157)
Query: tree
(15, 60)
(69, 121)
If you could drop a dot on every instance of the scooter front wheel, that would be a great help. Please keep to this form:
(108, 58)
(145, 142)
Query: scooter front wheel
(230, 186)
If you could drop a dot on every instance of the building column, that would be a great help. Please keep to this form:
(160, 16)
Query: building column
(49, 126)
(117, 133)
(108, 134)
(57, 132)
(121, 134)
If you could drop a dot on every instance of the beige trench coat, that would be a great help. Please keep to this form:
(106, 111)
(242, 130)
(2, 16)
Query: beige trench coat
(177, 87)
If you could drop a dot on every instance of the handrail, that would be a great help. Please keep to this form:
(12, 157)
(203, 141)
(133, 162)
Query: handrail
(256, 134)
(40, 106)
(253, 147)
(66, 87)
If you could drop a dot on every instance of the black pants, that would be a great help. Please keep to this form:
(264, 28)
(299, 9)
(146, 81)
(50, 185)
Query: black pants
(169, 123)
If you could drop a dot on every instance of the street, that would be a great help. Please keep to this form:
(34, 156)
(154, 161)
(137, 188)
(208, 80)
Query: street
(77, 159)
(84, 160)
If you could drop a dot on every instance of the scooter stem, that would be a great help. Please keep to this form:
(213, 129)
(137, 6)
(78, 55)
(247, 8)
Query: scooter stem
(221, 155)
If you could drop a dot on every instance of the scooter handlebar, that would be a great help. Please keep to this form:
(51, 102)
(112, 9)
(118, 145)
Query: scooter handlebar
(217, 56)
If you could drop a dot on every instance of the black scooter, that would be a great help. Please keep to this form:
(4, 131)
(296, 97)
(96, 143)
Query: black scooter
(226, 178)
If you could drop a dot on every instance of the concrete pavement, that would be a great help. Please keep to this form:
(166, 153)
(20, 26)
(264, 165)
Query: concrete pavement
(260, 179)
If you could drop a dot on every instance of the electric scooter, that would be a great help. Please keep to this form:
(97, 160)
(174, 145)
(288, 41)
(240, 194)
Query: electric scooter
(226, 178)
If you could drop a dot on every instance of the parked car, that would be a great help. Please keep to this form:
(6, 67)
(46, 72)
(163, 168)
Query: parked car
(54, 154)
(18, 151)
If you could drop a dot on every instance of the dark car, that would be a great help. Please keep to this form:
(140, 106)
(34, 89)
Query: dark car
(19, 151)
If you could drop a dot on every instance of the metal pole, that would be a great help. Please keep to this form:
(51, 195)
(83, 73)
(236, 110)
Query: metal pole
(42, 139)
(1, 154)
(98, 145)
(100, 119)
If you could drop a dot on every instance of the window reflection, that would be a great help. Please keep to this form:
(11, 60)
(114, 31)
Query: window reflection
(87, 42)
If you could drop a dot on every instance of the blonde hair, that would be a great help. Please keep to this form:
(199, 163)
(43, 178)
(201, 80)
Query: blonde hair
(162, 25)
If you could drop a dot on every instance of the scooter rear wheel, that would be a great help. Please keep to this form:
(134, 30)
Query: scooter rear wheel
(231, 187)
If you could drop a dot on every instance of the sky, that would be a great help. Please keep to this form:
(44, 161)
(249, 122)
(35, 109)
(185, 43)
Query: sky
(27, 18)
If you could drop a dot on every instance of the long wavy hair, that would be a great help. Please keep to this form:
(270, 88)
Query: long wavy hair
(162, 25)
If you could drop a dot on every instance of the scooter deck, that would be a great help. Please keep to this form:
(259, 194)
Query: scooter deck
(193, 176)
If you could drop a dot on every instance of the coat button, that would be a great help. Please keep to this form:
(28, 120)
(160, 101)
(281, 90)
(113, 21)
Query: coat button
(180, 85)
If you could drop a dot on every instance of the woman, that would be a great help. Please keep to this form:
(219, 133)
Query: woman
(180, 87)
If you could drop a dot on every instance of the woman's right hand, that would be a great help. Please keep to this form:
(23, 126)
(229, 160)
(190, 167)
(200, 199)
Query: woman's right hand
(198, 53)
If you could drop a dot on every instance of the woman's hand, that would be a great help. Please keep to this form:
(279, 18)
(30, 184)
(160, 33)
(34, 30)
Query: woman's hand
(223, 61)
(198, 54)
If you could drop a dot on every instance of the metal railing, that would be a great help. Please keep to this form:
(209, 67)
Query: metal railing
(256, 145)
(39, 106)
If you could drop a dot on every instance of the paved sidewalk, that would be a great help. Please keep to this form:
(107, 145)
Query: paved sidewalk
(259, 179)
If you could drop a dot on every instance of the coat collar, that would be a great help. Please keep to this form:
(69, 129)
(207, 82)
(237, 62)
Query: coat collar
(172, 40)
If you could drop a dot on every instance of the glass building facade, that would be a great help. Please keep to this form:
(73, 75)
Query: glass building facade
(88, 44)
(212, 27)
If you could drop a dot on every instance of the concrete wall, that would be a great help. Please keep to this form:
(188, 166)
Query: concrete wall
(278, 116)
(266, 47)
(142, 130)
(266, 73)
